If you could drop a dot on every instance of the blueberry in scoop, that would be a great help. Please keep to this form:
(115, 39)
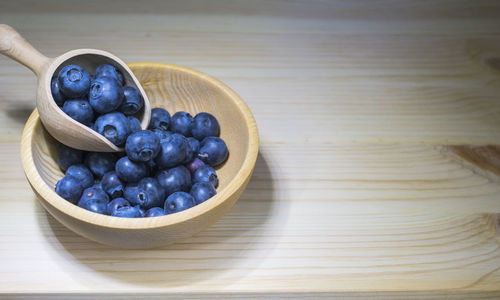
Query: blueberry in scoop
(79, 110)
(132, 101)
(105, 95)
(74, 81)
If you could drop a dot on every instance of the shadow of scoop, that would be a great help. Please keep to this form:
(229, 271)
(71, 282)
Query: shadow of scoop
(229, 249)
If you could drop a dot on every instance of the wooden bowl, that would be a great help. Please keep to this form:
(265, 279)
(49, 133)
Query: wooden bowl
(173, 88)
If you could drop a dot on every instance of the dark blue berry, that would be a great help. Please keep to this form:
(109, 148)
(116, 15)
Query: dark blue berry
(204, 124)
(173, 180)
(130, 171)
(177, 202)
(82, 174)
(213, 151)
(74, 81)
(95, 200)
(79, 110)
(113, 126)
(193, 146)
(56, 92)
(68, 156)
(160, 118)
(130, 192)
(134, 124)
(172, 152)
(112, 185)
(154, 212)
(194, 164)
(132, 101)
(142, 146)
(205, 174)
(181, 123)
(202, 191)
(69, 188)
(162, 134)
(100, 163)
(128, 212)
(106, 70)
(115, 204)
(106, 94)
(149, 194)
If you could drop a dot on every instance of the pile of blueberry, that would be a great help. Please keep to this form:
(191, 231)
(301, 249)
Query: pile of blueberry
(100, 102)
(165, 169)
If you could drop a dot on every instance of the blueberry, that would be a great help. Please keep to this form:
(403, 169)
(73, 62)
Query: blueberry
(193, 146)
(106, 94)
(204, 124)
(82, 174)
(100, 163)
(68, 156)
(213, 151)
(134, 124)
(194, 164)
(181, 123)
(149, 194)
(130, 171)
(173, 180)
(177, 202)
(202, 191)
(74, 81)
(160, 118)
(69, 188)
(115, 204)
(154, 212)
(142, 146)
(205, 174)
(113, 126)
(112, 185)
(132, 101)
(128, 212)
(130, 191)
(172, 152)
(56, 92)
(95, 200)
(162, 134)
(79, 110)
(106, 70)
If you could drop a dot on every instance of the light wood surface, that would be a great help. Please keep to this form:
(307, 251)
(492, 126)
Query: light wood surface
(176, 89)
(61, 126)
(360, 189)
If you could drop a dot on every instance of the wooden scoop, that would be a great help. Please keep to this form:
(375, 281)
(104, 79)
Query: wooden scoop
(58, 124)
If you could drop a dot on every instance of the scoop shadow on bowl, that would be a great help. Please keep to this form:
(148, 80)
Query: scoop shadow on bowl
(216, 252)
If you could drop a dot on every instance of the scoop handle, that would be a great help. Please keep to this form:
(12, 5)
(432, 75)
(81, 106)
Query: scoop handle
(13, 45)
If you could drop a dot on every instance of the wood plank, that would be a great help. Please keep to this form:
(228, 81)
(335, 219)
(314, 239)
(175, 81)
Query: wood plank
(377, 176)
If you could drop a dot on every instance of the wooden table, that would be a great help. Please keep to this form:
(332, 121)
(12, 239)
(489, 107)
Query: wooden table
(357, 191)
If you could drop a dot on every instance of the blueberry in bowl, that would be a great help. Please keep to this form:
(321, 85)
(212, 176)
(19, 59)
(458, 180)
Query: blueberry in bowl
(145, 227)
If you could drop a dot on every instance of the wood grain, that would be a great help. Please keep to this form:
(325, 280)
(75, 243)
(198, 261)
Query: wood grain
(372, 178)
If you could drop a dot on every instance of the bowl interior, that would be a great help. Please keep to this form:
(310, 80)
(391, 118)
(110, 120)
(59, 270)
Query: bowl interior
(175, 89)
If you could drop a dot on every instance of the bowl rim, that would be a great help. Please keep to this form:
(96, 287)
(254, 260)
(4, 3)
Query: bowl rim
(49, 195)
